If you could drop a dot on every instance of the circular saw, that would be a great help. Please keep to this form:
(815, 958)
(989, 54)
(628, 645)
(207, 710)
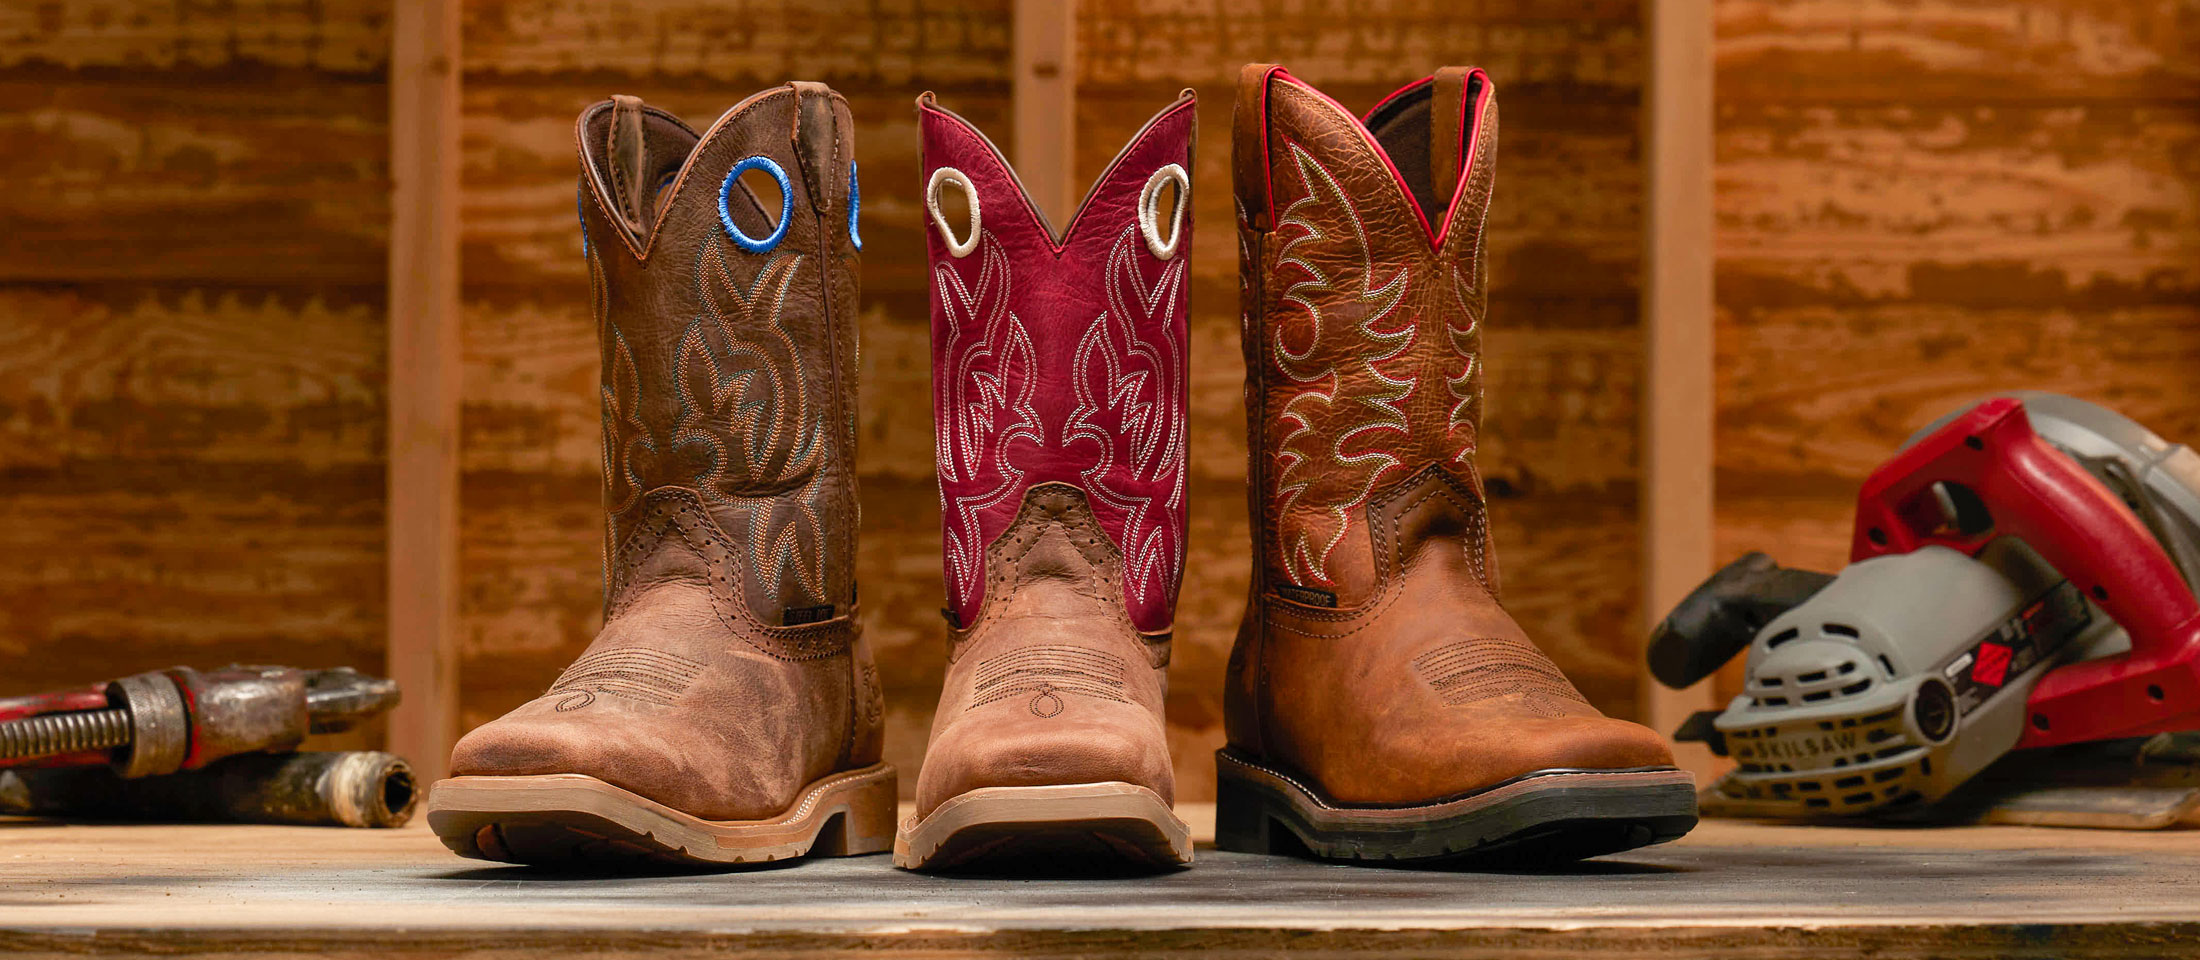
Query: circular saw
(2023, 577)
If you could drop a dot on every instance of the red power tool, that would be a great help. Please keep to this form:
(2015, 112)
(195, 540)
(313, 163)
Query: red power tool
(2022, 576)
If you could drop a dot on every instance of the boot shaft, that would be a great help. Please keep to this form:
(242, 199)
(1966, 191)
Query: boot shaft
(1363, 288)
(1061, 358)
(726, 325)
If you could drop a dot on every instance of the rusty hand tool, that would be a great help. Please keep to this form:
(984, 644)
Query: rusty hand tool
(183, 719)
(353, 788)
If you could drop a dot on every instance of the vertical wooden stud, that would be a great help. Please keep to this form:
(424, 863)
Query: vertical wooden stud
(424, 381)
(1678, 386)
(1046, 105)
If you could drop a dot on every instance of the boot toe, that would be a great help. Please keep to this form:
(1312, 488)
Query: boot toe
(634, 754)
(1563, 743)
(1420, 766)
(965, 757)
(516, 747)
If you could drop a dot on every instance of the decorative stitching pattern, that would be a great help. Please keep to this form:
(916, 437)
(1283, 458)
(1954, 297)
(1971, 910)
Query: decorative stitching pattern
(625, 439)
(1130, 406)
(1484, 668)
(1047, 672)
(1466, 388)
(745, 410)
(1079, 379)
(1356, 365)
(983, 398)
(1329, 463)
(646, 676)
(676, 514)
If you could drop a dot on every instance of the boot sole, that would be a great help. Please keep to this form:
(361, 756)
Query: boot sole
(1545, 817)
(572, 818)
(1037, 824)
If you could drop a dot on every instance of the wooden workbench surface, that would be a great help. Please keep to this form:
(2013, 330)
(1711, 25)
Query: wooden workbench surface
(1758, 889)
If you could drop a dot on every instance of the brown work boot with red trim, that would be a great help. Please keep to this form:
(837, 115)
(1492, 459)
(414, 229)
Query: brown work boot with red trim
(1380, 702)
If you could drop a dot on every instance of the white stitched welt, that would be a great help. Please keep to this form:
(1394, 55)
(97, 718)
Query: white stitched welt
(941, 177)
(1148, 224)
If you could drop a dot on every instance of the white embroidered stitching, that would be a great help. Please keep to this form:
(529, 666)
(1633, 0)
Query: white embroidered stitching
(985, 378)
(1324, 425)
(1149, 417)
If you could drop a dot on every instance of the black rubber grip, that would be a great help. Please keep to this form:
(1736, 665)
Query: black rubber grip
(1720, 618)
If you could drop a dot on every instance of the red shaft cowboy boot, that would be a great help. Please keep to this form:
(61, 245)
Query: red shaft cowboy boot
(729, 710)
(1381, 704)
(1059, 396)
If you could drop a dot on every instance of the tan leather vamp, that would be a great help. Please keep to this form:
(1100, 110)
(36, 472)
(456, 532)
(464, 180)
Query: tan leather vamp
(1428, 690)
(1051, 684)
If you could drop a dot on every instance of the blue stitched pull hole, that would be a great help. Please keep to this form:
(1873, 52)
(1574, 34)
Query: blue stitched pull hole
(855, 203)
(762, 190)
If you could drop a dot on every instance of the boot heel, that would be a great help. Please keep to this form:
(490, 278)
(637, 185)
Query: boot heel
(867, 826)
(1242, 823)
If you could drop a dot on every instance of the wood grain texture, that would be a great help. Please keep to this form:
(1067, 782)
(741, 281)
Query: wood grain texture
(1728, 889)
(425, 364)
(1680, 407)
(1924, 203)
(191, 322)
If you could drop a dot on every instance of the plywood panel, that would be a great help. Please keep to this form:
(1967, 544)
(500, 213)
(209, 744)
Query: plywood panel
(1983, 51)
(1923, 203)
(191, 321)
(194, 476)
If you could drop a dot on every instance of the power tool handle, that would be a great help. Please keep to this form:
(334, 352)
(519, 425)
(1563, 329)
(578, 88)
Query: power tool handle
(2043, 497)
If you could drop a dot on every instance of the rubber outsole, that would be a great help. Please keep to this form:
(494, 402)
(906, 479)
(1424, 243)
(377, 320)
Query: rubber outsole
(1078, 822)
(577, 819)
(1545, 817)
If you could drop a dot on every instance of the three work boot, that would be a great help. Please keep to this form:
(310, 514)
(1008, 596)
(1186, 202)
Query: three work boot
(1380, 703)
(1058, 372)
(729, 711)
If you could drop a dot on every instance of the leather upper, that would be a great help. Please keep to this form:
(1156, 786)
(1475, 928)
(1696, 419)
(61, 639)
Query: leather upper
(1059, 397)
(1061, 358)
(1375, 659)
(729, 672)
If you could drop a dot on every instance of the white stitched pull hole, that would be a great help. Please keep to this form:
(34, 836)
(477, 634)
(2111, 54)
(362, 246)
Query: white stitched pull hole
(1179, 187)
(940, 178)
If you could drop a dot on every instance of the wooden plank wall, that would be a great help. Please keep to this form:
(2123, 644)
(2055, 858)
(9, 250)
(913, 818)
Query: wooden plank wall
(192, 246)
(1918, 202)
(1923, 202)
